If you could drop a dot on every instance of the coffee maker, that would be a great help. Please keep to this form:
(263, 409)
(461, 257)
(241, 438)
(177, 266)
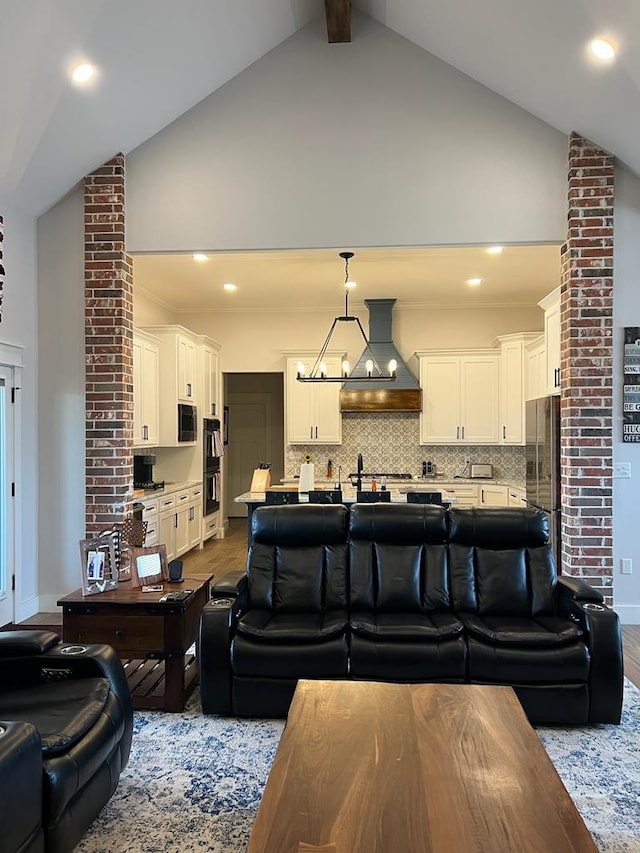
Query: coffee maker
(143, 472)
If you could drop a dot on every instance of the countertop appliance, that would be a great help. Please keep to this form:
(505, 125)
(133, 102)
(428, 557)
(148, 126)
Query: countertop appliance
(187, 422)
(480, 471)
(143, 472)
(542, 455)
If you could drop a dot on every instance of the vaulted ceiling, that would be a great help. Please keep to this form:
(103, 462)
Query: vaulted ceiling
(157, 58)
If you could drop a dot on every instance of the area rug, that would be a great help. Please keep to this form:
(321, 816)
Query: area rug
(194, 783)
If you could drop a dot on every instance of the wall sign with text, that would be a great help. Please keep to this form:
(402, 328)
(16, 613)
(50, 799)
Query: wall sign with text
(631, 388)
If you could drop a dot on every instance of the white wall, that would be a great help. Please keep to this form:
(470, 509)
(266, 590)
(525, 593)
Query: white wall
(255, 342)
(372, 143)
(61, 435)
(626, 312)
(18, 328)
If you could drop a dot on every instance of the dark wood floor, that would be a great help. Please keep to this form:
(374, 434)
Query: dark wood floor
(224, 555)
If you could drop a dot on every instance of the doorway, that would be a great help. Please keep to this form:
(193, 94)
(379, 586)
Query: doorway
(256, 432)
(7, 499)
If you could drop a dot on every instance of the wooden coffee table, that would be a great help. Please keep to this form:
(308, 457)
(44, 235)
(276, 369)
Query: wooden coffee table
(437, 768)
(151, 637)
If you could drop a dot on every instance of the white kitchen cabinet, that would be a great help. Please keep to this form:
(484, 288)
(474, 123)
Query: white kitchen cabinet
(551, 307)
(178, 378)
(517, 497)
(208, 400)
(460, 397)
(313, 408)
(146, 417)
(536, 368)
(492, 494)
(512, 386)
(180, 521)
(465, 494)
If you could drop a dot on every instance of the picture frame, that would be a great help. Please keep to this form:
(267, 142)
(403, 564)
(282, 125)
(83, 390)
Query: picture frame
(98, 565)
(148, 565)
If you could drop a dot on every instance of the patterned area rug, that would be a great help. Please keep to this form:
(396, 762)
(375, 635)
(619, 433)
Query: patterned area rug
(193, 783)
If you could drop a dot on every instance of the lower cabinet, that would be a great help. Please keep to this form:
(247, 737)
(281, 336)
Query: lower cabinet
(464, 495)
(175, 521)
(493, 495)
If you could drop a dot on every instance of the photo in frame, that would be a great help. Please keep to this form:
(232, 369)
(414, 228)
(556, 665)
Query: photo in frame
(98, 565)
(148, 565)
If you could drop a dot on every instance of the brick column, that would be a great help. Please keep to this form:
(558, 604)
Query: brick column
(108, 349)
(586, 368)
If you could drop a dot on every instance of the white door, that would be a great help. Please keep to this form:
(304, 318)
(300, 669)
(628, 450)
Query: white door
(7, 524)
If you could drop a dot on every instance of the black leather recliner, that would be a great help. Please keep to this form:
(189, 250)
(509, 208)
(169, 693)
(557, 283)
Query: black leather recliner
(70, 705)
(412, 593)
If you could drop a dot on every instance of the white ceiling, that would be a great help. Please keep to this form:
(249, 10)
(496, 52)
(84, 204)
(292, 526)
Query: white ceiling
(157, 58)
(314, 279)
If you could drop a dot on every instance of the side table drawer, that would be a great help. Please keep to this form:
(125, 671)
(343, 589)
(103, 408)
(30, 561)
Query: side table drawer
(138, 633)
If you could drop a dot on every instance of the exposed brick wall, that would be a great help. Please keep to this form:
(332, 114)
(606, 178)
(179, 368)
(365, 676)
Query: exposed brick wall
(108, 349)
(1, 265)
(586, 368)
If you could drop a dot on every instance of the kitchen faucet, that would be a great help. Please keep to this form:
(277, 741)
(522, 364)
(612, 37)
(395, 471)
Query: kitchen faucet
(360, 467)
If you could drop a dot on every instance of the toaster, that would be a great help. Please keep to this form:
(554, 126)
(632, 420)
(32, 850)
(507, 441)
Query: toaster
(481, 472)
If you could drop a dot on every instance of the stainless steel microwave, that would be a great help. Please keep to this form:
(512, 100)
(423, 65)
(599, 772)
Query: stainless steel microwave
(187, 422)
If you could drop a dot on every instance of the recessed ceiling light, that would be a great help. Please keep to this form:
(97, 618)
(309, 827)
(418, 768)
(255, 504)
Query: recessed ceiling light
(229, 286)
(603, 49)
(199, 256)
(82, 73)
(495, 250)
(474, 282)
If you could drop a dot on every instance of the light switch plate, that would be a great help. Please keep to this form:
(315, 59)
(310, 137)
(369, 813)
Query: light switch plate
(622, 470)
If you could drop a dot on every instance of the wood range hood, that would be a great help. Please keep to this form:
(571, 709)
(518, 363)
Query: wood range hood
(403, 395)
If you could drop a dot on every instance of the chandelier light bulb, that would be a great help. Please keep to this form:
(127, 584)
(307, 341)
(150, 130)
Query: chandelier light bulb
(345, 367)
(393, 366)
(369, 367)
(300, 369)
(323, 370)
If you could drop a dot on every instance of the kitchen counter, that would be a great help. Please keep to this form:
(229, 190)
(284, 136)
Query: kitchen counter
(169, 489)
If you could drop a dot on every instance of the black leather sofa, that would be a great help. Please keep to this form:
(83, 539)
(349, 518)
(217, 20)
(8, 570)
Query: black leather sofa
(67, 723)
(409, 593)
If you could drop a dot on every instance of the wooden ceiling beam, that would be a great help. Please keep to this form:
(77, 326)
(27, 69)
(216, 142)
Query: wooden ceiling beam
(338, 14)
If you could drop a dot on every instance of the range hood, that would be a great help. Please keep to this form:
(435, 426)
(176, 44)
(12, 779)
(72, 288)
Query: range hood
(403, 395)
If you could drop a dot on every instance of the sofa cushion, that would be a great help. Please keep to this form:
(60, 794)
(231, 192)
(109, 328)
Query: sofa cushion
(493, 527)
(413, 626)
(276, 627)
(252, 658)
(507, 663)
(522, 631)
(61, 711)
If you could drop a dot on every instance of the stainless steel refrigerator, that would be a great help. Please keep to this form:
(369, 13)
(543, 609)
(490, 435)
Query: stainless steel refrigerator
(543, 463)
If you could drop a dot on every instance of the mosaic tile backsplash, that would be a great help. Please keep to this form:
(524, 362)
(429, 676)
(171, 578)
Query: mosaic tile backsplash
(391, 443)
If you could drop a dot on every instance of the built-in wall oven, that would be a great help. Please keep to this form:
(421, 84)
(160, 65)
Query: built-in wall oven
(212, 451)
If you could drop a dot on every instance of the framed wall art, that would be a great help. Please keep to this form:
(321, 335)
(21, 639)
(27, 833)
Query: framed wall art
(98, 565)
(148, 565)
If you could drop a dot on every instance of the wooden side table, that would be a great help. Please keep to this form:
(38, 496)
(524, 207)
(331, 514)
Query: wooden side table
(151, 637)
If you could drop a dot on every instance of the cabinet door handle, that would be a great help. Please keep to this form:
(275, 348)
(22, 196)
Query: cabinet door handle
(458, 432)
(175, 520)
(316, 432)
(556, 378)
(462, 429)
(504, 431)
(188, 389)
(310, 432)
(145, 433)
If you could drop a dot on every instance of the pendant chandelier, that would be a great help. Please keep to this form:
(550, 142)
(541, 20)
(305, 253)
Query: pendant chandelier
(373, 370)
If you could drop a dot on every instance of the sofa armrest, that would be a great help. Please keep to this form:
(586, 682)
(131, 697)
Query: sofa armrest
(217, 627)
(20, 787)
(18, 643)
(602, 634)
(577, 589)
(231, 584)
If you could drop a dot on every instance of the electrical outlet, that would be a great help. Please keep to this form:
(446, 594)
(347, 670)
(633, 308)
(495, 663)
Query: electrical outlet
(467, 460)
(622, 470)
(626, 566)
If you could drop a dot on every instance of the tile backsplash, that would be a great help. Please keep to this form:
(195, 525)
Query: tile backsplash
(391, 443)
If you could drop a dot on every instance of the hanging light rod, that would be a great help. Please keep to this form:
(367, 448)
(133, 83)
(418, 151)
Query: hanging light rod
(319, 371)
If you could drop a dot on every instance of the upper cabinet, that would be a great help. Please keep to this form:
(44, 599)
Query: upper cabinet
(536, 368)
(179, 381)
(551, 307)
(513, 378)
(313, 408)
(208, 400)
(460, 397)
(145, 389)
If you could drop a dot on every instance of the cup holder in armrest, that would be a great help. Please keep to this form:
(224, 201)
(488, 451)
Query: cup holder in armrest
(73, 650)
(589, 605)
(221, 602)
